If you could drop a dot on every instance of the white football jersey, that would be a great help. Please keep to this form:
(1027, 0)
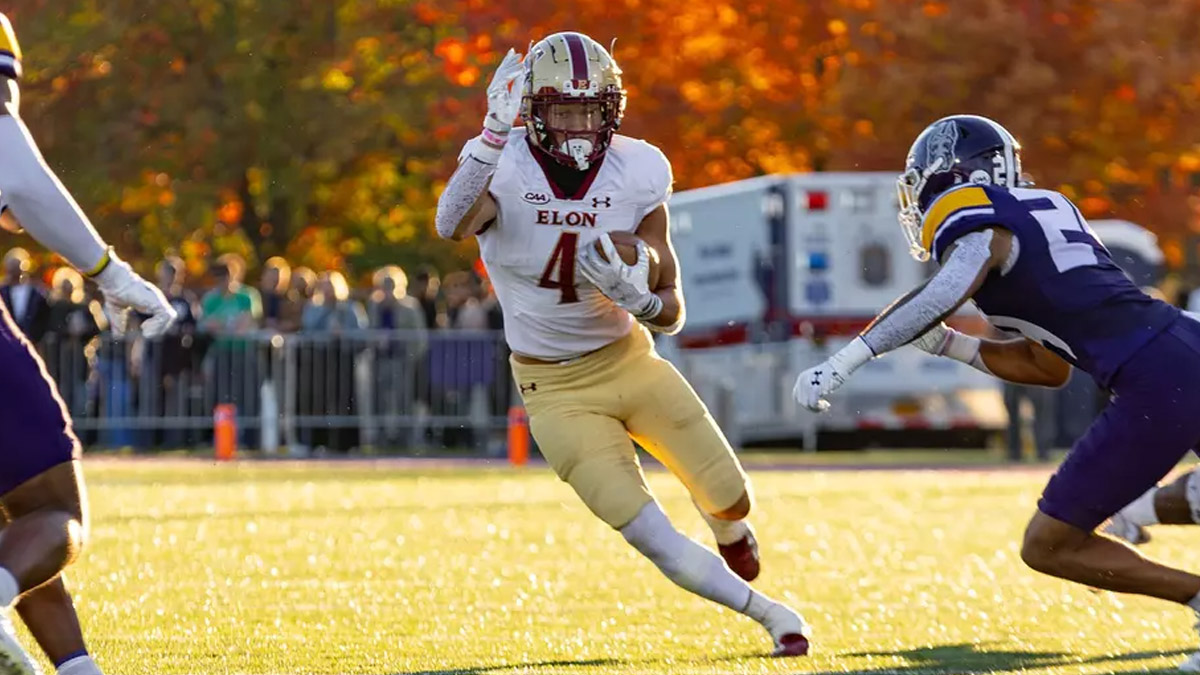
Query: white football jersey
(551, 312)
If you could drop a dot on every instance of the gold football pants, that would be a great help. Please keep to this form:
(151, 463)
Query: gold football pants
(584, 413)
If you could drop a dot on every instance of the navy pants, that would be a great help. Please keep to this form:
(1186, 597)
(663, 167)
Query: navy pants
(1151, 423)
(35, 428)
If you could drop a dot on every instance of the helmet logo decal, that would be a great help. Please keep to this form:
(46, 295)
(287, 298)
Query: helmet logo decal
(939, 149)
(980, 177)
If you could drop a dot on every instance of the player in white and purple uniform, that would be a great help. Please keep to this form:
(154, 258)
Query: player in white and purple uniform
(41, 482)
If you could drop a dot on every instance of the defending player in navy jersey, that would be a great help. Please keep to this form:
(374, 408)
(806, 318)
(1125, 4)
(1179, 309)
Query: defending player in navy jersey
(41, 483)
(1030, 263)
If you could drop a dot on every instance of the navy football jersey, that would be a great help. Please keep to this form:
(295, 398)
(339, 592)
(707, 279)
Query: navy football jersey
(1063, 291)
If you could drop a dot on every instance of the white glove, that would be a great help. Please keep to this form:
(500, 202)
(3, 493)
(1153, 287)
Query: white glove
(628, 286)
(504, 100)
(819, 381)
(124, 290)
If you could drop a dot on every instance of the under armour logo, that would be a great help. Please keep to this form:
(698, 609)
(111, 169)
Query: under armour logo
(526, 388)
(596, 202)
(816, 381)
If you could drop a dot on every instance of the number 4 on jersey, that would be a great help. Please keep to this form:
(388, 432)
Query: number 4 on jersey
(563, 258)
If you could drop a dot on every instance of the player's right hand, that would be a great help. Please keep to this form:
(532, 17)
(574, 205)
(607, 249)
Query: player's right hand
(815, 383)
(504, 99)
(124, 290)
(628, 286)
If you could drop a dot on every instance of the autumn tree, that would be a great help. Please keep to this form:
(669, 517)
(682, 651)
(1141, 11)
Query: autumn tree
(298, 128)
(1102, 94)
(324, 130)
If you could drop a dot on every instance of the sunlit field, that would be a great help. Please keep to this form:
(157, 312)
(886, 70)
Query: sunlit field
(387, 567)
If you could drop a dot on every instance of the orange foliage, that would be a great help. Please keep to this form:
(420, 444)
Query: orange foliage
(356, 117)
(1101, 91)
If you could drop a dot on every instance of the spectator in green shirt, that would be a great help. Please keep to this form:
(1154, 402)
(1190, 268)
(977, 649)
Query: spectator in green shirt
(230, 308)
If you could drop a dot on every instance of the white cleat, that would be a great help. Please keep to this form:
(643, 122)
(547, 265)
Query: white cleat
(14, 660)
(1121, 527)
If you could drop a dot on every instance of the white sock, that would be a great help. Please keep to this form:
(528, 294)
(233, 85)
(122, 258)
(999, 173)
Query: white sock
(758, 606)
(80, 665)
(1141, 510)
(9, 590)
(724, 531)
(685, 562)
(776, 617)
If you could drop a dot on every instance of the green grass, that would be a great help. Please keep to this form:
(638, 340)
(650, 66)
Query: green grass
(359, 568)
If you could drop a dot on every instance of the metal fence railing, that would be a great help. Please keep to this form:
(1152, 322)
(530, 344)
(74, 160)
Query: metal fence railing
(384, 390)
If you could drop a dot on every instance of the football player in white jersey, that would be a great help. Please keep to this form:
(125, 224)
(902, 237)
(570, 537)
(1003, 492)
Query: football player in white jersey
(539, 198)
(41, 482)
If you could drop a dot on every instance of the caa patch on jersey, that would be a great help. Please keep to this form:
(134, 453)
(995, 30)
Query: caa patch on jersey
(10, 51)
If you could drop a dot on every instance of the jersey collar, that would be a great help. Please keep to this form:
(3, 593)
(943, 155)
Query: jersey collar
(549, 168)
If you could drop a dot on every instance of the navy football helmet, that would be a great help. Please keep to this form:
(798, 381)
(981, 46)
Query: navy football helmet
(952, 151)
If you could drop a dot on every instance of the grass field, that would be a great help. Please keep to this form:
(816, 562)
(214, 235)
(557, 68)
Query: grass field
(382, 568)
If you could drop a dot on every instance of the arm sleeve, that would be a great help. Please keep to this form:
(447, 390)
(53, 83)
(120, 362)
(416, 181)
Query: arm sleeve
(915, 314)
(40, 201)
(476, 165)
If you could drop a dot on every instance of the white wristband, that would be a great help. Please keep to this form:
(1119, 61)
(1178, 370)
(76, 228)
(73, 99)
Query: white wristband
(482, 151)
(960, 347)
(849, 358)
(965, 348)
(650, 309)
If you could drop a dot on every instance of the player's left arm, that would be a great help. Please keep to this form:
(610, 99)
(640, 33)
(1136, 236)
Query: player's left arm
(965, 266)
(39, 203)
(656, 232)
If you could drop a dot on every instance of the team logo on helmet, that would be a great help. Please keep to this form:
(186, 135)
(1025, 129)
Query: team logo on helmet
(939, 150)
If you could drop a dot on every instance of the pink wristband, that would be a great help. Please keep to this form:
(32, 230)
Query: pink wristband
(493, 139)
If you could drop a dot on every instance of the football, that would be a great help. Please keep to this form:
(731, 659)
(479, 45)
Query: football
(626, 243)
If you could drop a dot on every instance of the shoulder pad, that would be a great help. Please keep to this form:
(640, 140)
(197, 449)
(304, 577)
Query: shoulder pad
(649, 171)
(969, 200)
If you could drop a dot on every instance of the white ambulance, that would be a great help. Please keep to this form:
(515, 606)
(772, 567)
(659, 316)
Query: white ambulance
(781, 271)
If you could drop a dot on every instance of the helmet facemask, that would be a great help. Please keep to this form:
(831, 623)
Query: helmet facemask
(574, 129)
(909, 188)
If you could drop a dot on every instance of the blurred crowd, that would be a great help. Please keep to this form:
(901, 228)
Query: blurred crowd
(402, 348)
(406, 346)
(286, 299)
